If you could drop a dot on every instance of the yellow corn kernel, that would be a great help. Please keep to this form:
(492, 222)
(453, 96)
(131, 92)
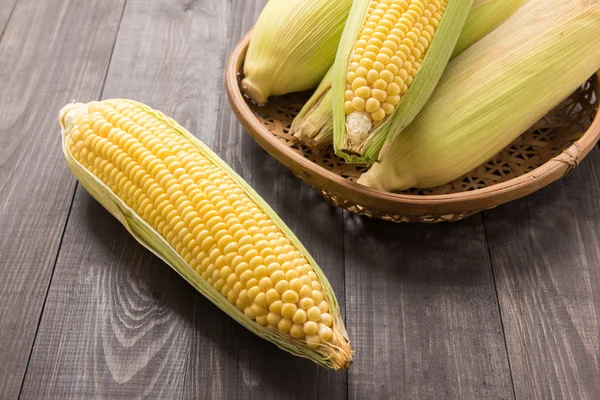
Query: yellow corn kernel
(288, 310)
(305, 292)
(306, 303)
(273, 319)
(311, 327)
(299, 316)
(297, 331)
(323, 306)
(325, 332)
(295, 285)
(313, 341)
(372, 105)
(276, 307)
(314, 313)
(326, 319)
(289, 296)
(285, 325)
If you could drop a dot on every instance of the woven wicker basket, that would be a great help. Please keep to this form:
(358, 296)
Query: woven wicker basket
(545, 153)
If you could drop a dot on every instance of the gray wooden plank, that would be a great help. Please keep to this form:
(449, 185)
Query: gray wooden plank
(118, 321)
(170, 54)
(115, 321)
(422, 310)
(545, 251)
(6, 8)
(228, 361)
(50, 51)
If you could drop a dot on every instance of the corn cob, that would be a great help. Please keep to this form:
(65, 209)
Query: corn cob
(313, 126)
(391, 56)
(184, 204)
(493, 92)
(292, 46)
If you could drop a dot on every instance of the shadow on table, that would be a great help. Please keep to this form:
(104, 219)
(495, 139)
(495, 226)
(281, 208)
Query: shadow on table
(447, 254)
(456, 253)
(550, 209)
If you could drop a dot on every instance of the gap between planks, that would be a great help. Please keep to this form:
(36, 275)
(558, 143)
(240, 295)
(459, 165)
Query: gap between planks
(68, 215)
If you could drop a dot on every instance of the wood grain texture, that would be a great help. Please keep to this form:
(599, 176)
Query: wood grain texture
(228, 361)
(115, 321)
(51, 51)
(422, 312)
(6, 8)
(118, 321)
(170, 54)
(545, 251)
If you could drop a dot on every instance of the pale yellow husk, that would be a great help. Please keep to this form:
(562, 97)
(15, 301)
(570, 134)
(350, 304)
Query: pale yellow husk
(485, 16)
(493, 92)
(292, 46)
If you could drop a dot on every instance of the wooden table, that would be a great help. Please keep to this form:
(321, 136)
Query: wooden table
(500, 306)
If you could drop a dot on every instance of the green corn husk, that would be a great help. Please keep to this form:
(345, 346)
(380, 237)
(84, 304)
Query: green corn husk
(493, 92)
(292, 46)
(337, 356)
(374, 146)
(313, 126)
(485, 16)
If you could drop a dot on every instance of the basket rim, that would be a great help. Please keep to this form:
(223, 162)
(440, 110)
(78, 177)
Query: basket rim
(483, 198)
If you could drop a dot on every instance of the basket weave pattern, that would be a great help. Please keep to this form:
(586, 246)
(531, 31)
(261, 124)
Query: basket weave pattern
(547, 139)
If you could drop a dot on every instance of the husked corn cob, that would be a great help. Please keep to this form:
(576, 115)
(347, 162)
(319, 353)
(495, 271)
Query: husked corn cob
(292, 46)
(389, 47)
(313, 126)
(386, 57)
(493, 92)
(184, 204)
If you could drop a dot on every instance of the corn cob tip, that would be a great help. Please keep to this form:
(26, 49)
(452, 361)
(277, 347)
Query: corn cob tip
(341, 355)
(305, 133)
(253, 91)
(67, 115)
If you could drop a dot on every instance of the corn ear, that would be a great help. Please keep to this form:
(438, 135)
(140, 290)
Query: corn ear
(493, 92)
(376, 95)
(484, 17)
(292, 46)
(313, 126)
(189, 208)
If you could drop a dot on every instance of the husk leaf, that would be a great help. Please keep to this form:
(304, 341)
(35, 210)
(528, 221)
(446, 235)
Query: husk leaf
(292, 46)
(484, 17)
(314, 123)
